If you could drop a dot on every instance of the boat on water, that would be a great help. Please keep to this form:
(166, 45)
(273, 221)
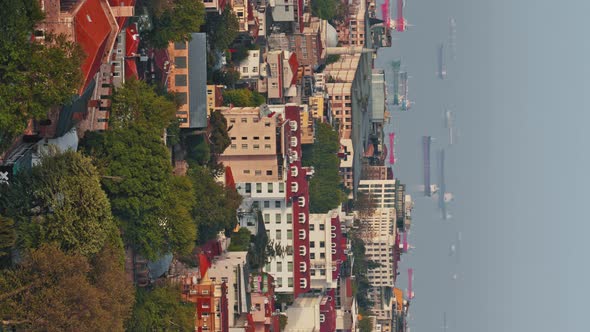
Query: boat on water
(441, 71)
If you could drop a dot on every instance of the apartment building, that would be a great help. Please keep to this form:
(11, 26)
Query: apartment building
(188, 80)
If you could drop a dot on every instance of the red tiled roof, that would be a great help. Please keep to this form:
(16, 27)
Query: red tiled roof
(92, 29)
(294, 65)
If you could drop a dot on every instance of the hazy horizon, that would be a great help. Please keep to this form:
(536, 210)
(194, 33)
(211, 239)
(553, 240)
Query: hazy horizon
(517, 170)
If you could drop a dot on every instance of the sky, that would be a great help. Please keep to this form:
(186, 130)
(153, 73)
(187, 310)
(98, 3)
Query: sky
(519, 169)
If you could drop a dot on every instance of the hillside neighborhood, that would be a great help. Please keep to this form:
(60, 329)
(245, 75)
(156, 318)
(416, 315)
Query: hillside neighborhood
(188, 165)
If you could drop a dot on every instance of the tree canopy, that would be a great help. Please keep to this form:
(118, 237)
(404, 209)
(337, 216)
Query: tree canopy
(175, 20)
(33, 76)
(137, 171)
(240, 240)
(56, 291)
(325, 191)
(222, 29)
(243, 98)
(327, 9)
(161, 309)
(215, 205)
(137, 104)
(65, 204)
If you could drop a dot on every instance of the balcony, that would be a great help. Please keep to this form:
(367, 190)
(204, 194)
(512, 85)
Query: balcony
(302, 234)
(294, 142)
(302, 250)
(303, 283)
(294, 171)
(302, 267)
(301, 218)
(301, 201)
(293, 125)
(294, 187)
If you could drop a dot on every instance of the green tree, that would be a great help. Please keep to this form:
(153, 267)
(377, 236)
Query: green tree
(137, 104)
(33, 76)
(243, 98)
(332, 58)
(325, 191)
(240, 240)
(136, 173)
(223, 29)
(227, 77)
(181, 229)
(7, 238)
(364, 204)
(66, 205)
(215, 205)
(175, 21)
(327, 9)
(219, 135)
(161, 309)
(56, 291)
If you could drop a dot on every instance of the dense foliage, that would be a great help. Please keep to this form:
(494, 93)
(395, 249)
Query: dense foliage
(325, 191)
(175, 21)
(215, 205)
(327, 9)
(243, 98)
(222, 29)
(240, 240)
(161, 309)
(33, 76)
(56, 291)
(60, 201)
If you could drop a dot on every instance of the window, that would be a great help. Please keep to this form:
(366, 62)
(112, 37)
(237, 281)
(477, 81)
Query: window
(254, 69)
(248, 188)
(244, 69)
(322, 272)
(278, 218)
(180, 46)
(244, 138)
(267, 146)
(258, 172)
(180, 80)
(246, 171)
(267, 138)
(322, 255)
(259, 188)
(277, 204)
(286, 8)
(266, 204)
(233, 147)
(181, 98)
(274, 85)
(290, 282)
(289, 218)
(280, 282)
(312, 255)
(281, 187)
(311, 227)
(180, 61)
(269, 172)
(232, 120)
(244, 146)
(267, 218)
(289, 235)
(256, 138)
(322, 227)
(289, 265)
(267, 267)
(256, 146)
(244, 120)
(322, 244)
(269, 187)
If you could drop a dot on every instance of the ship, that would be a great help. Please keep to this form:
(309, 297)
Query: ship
(443, 196)
(452, 38)
(426, 140)
(449, 124)
(405, 103)
(442, 71)
(395, 65)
